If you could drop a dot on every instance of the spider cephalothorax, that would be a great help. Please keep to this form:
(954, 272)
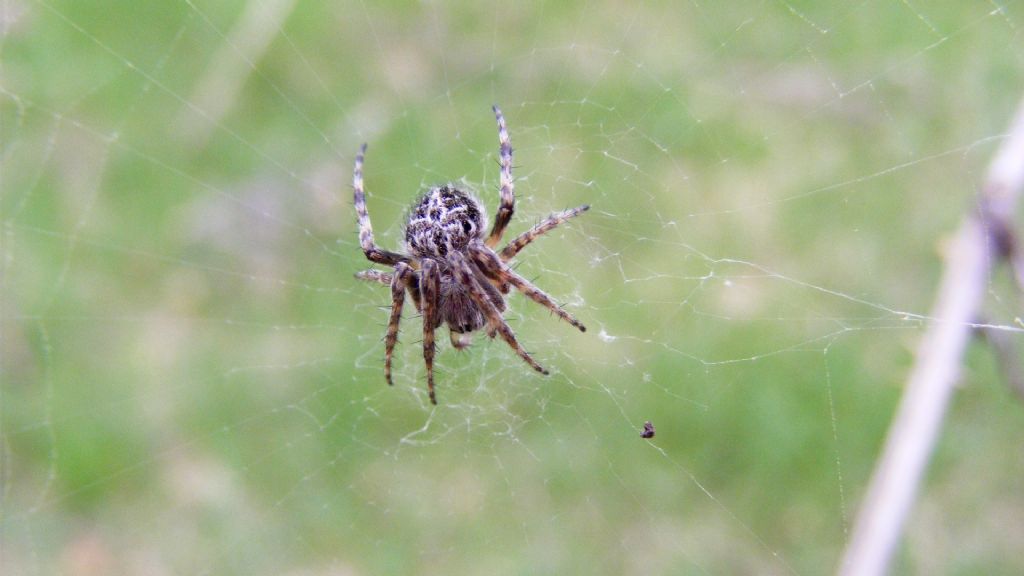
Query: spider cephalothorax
(452, 272)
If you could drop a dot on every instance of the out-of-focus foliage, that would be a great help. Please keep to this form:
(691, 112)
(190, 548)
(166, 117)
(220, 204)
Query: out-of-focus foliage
(192, 378)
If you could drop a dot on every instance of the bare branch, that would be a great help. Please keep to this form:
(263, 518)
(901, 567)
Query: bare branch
(983, 238)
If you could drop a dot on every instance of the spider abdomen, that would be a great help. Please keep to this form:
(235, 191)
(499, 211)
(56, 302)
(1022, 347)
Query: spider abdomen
(445, 219)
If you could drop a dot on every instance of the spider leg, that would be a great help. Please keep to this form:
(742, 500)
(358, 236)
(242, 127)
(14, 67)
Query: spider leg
(414, 291)
(508, 199)
(493, 267)
(385, 278)
(375, 276)
(464, 275)
(399, 281)
(429, 289)
(543, 227)
(372, 251)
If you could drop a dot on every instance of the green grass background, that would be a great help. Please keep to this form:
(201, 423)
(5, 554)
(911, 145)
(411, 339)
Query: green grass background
(192, 376)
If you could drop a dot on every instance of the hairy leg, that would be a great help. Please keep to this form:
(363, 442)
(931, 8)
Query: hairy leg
(429, 289)
(375, 276)
(494, 268)
(399, 281)
(495, 323)
(507, 203)
(372, 251)
(543, 227)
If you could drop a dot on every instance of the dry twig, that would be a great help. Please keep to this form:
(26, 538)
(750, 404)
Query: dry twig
(984, 238)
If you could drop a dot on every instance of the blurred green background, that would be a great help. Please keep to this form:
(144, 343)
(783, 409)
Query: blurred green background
(192, 377)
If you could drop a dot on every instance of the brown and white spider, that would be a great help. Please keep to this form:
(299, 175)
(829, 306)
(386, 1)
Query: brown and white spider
(452, 272)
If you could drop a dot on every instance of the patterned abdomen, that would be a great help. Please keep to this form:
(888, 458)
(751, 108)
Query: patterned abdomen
(444, 220)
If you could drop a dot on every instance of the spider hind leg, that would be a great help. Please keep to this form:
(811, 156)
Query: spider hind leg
(373, 252)
(507, 203)
(543, 227)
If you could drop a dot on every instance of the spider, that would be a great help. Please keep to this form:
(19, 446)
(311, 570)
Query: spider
(452, 271)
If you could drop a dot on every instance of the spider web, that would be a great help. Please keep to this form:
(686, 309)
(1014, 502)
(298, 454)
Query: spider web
(192, 377)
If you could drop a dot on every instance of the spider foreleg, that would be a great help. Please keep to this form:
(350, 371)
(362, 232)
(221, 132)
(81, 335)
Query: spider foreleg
(493, 267)
(429, 289)
(495, 323)
(399, 281)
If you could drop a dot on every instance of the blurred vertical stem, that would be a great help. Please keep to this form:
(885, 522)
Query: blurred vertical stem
(217, 91)
(984, 238)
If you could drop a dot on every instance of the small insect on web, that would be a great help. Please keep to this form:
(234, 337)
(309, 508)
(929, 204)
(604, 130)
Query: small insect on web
(452, 271)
